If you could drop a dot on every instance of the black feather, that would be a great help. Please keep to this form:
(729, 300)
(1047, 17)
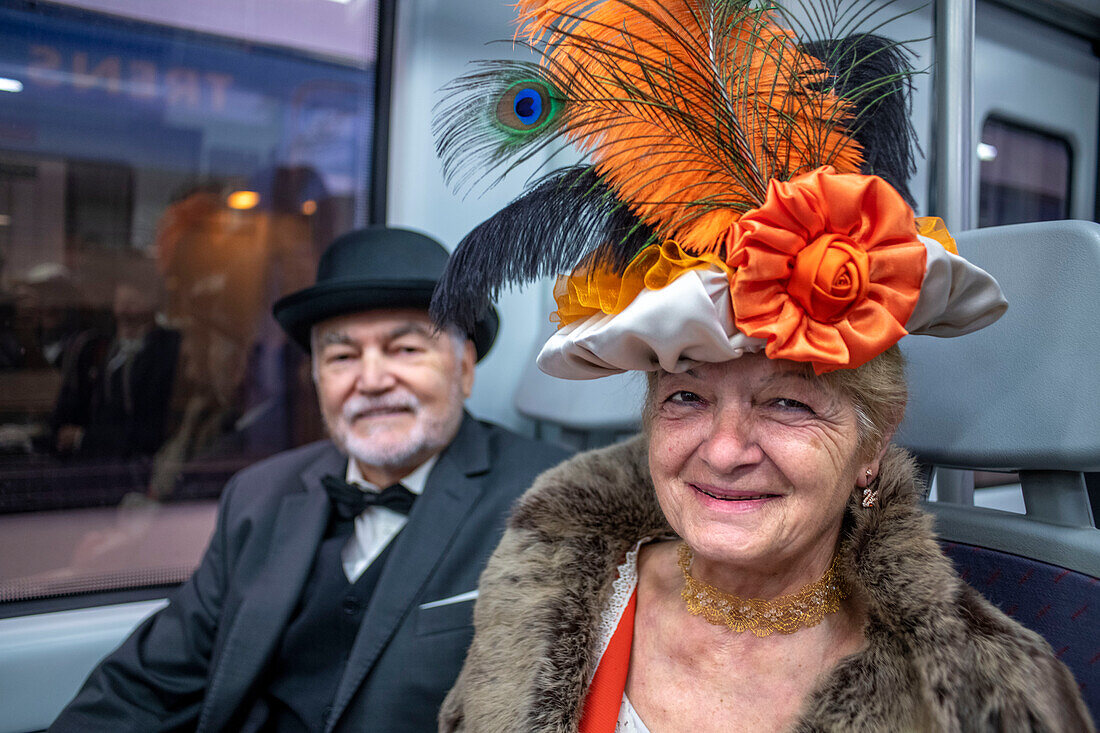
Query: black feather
(874, 74)
(567, 217)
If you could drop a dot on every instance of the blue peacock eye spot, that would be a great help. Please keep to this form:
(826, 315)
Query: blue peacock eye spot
(525, 105)
(528, 106)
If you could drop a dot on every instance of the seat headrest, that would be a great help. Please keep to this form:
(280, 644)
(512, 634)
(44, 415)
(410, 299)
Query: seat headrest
(608, 404)
(1024, 393)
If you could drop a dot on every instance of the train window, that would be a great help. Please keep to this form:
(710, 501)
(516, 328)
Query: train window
(1025, 174)
(166, 173)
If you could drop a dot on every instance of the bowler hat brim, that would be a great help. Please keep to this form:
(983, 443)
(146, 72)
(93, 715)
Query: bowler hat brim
(298, 312)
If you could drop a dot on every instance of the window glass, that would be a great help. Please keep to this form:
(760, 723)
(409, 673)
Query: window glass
(166, 173)
(1024, 175)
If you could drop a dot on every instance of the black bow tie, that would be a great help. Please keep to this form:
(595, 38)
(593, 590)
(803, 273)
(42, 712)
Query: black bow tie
(350, 501)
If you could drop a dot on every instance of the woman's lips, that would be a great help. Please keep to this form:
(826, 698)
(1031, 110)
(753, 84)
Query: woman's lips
(727, 495)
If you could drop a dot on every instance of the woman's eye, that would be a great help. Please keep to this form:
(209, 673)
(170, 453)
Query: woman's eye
(683, 397)
(786, 403)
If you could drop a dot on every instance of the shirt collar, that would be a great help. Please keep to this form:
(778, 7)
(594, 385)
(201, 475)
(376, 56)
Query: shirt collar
(414, 482)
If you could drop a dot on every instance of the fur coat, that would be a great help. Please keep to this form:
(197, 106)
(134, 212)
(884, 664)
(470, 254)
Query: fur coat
(939, 657)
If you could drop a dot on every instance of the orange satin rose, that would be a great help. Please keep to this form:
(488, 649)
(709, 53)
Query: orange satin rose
(829, 275)
(828, 269)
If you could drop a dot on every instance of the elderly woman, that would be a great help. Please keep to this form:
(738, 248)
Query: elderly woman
(764, 591)
(756, 560)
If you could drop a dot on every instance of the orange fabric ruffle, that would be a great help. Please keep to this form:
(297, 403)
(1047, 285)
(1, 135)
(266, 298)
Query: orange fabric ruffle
(585, 293)
(934, 228)
(828, 270)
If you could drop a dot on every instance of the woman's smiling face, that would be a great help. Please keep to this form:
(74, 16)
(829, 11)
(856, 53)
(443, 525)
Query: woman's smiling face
(753, 461)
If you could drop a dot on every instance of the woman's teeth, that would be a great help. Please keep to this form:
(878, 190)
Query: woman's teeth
(736, 498)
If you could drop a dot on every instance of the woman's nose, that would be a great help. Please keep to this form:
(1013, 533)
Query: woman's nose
(731, 442)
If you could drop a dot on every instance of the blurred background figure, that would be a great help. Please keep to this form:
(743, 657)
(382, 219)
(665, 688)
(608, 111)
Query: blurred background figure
(47, 311)
(226, 252)
(210, 399)
(116, 386)
(239, 247)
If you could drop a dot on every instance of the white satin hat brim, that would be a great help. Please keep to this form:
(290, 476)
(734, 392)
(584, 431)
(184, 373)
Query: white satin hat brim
(690, 321)
(687, 322)
(956, 297)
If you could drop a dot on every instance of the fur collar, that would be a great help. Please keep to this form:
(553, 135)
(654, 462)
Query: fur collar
(939, 657)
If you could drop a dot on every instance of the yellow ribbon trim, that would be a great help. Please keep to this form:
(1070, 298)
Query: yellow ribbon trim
(585, 292)
(933, 227)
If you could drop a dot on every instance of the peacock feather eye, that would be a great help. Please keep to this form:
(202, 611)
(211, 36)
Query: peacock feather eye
(526, 105)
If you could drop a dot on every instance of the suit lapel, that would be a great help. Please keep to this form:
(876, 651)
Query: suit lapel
(258, 624)
(453, 488)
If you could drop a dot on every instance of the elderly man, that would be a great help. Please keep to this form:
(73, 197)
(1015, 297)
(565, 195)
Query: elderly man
(338, 588)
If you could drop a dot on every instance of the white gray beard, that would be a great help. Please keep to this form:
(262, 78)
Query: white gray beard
(428, 436)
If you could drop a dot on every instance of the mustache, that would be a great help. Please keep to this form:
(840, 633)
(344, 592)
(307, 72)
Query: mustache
(361, 406)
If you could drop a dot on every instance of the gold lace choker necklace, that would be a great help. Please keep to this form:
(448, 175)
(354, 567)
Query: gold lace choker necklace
(785, 614)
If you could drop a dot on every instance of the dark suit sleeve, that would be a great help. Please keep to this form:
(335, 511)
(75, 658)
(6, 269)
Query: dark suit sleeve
(155, 681)
(74, 395)
(152, 387)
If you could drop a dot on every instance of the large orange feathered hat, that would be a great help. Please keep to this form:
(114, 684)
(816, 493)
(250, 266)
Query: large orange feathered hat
(744, 188)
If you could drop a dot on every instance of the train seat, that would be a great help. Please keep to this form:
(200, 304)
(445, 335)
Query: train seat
(1023, 395)
(580, 414)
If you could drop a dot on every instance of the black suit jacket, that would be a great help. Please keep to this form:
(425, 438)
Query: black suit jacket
(193, 664)
(125, 412)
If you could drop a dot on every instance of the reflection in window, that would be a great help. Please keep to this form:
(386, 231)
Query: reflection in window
(1025, 175)
(159, 189)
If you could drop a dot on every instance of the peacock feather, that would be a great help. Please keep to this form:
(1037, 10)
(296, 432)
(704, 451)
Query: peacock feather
(505, 112)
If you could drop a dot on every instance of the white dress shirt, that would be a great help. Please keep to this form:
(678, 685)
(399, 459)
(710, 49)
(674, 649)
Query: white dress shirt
(377, 525)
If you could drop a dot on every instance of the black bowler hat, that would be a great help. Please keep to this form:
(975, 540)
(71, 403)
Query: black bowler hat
(373, 268)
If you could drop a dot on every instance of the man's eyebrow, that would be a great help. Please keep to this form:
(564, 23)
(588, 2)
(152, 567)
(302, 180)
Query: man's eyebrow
(414, 328)
(328, 338)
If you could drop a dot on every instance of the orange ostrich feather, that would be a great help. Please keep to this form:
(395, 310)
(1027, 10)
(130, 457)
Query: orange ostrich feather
(689, 107)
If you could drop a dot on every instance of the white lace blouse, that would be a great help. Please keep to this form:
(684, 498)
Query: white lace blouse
(629, 720)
